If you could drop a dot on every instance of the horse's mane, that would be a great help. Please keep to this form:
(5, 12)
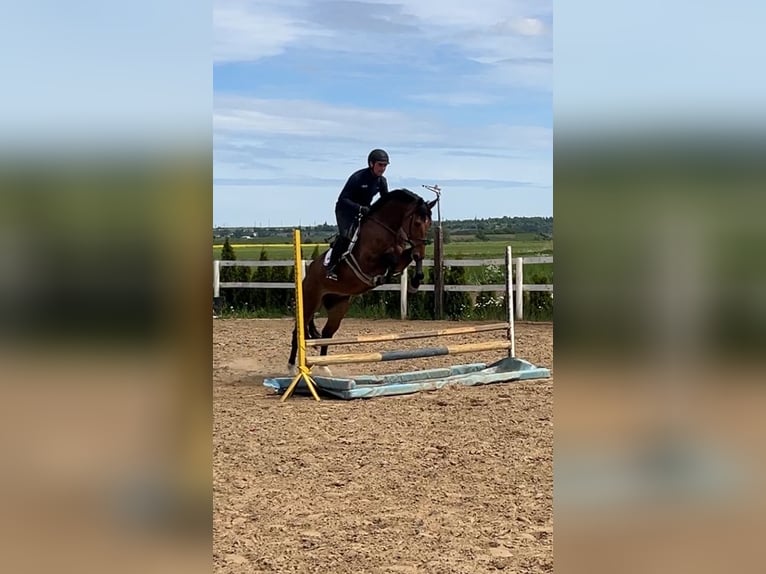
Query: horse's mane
(402, 196)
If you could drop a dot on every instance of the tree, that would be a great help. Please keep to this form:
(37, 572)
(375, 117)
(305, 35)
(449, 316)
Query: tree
(282, 299)
(262, 297)
(227, 251)
(237, 297)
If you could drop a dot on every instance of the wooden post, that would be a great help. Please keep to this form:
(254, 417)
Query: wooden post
(438, 273)
(438, 256)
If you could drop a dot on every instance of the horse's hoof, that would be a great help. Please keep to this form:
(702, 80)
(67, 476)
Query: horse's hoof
(322, 371)
(292, 370)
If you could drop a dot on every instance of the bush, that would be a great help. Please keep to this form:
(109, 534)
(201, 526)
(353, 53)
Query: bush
(457, 304)
(538, 305)
(489, 306)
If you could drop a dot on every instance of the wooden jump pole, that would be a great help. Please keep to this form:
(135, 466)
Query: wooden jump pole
(303, 369)
(509, 300)
(405, 336)
(305, 362)
(346, 359)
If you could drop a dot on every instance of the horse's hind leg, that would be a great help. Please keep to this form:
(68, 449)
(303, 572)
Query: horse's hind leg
(311, 302)
(337, 307)
(313, 332)
(293, 347)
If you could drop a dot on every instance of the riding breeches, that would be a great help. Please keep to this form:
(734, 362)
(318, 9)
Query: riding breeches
(345, 218)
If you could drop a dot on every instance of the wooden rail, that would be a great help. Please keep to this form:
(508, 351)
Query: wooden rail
(403, 336)
(407, 353)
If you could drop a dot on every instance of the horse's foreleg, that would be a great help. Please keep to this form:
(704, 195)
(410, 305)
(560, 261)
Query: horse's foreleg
(335, 314)
(390, 261)
(417, 278)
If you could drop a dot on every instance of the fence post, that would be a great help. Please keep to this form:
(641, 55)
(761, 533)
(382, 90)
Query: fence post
(216, 278)
(403, 294)
(519, 288)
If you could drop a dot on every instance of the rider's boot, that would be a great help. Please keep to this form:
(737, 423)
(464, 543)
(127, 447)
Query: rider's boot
(339, 248)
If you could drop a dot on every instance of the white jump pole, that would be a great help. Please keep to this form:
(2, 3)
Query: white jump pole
(509, 299)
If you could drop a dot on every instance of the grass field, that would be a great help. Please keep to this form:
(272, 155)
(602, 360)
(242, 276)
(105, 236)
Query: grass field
(491, 249)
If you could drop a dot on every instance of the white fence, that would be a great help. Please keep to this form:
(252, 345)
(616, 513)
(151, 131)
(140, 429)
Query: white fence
(519, 286)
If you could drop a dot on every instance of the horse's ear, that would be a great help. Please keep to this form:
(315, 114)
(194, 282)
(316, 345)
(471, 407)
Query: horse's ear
(431, 204)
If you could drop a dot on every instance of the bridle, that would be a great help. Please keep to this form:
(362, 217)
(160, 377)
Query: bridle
(405, 238)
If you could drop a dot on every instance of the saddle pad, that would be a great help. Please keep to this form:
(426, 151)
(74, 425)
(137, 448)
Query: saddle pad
(326, 260)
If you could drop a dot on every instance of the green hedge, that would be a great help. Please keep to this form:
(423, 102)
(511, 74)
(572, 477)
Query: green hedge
(242, 302)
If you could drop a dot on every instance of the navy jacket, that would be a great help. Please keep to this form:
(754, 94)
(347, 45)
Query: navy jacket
(360, 189)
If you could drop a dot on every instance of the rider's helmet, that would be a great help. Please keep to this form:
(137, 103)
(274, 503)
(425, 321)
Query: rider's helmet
(377, 155)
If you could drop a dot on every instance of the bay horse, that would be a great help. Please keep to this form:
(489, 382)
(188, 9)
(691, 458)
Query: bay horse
(390, 237)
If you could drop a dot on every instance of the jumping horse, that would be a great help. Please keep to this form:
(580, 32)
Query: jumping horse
(390, 237)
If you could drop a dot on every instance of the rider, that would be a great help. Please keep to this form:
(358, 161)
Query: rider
(355, 200)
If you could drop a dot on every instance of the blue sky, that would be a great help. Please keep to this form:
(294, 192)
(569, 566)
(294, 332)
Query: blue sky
(625, 66)
(459, 93)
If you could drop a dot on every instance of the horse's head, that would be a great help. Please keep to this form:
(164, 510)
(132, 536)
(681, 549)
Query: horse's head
(416, 227)
(406, 219)
(418, 224)
(408, 216)
(405, 214)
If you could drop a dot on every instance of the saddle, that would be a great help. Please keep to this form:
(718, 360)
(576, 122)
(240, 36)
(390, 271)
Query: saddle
(334, 239)
(351, 261)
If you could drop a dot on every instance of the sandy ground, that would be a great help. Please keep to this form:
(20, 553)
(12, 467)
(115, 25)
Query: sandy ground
(458, 480)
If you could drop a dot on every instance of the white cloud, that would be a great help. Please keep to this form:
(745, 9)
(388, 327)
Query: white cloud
(486, 30)
(508, 74)
(521, 26)
(429, 53)
(456, 98)
(459, 14)
(315, 119)
(325, 141)
(248, 32)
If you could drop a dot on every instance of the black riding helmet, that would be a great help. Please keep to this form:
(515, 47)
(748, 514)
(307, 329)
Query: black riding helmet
(377, 155)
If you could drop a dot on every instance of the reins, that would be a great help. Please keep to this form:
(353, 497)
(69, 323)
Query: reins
(407, 239)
